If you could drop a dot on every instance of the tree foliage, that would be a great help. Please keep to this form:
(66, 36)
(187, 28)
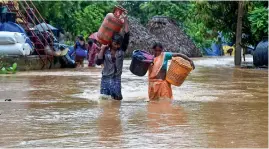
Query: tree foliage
(175, 10)
(90, 18)
(222, 16)
(77, 17)
(258, 18)
(59, 14)
(201, 20)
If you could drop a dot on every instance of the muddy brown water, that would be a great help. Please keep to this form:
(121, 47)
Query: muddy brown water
(217, 106)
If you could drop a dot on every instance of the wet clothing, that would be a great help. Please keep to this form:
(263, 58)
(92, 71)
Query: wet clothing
(159, 88)
(111, 87)
(92, 52)
(80, 53)
(79, 59)
(113, 67)
(111, 74)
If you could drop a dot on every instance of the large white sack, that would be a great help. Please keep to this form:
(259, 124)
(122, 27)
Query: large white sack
(27, 49)
(15, 49)
(11, 38)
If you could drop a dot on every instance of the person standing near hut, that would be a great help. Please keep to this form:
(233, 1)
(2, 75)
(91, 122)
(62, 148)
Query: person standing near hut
(112, 57)
(159, 88)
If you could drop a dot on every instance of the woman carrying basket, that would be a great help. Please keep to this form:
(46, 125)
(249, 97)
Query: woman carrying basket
(159, 88)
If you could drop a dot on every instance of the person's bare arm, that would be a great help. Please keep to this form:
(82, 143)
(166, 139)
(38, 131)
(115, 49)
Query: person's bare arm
(98, 48)
(100, 56)
(126, 36)
(126, 24)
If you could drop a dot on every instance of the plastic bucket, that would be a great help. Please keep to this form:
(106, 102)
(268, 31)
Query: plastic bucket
(140, 66)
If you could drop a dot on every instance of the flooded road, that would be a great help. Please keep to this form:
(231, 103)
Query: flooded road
(217, 106)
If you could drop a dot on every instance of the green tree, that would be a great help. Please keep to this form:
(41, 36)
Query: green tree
(222, 16)
(58, 13)
(90, 18)
(258, 18)
(201, 20)
(133, 8)
(174, 10)
(75, 16)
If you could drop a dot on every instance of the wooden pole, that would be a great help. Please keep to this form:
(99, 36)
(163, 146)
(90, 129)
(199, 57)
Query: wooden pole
(237, 58)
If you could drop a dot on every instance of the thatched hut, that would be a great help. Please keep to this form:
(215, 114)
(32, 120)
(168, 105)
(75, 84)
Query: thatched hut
(172, 37)
(140, 37)
(160, 29)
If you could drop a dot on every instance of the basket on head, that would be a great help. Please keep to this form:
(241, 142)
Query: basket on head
(178, 70)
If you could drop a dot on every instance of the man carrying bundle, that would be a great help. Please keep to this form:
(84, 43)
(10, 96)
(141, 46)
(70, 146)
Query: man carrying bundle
(112, 56)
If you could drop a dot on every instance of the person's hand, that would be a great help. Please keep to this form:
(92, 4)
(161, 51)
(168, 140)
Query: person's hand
(192, 64)
(104, 47)
(126, 24)
(125, 17)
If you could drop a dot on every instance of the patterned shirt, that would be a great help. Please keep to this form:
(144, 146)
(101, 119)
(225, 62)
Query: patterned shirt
(113, 68)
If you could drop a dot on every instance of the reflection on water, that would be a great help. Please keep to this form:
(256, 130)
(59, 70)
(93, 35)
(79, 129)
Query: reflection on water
(217, 106)
(109, 123)
(164, 114)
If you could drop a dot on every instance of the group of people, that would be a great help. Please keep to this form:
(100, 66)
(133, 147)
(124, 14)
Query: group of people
(84, 50)
(111, 57)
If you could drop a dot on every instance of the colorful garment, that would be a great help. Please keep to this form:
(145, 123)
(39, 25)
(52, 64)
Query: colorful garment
(167, 56)
(80, 51)
(92, 51)
(158, 88)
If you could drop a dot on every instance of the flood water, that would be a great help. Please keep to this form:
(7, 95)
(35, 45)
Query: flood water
(217, 106)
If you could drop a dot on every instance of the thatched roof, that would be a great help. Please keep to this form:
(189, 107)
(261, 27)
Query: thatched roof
(160, 29)
(140, 37)
(171, 36)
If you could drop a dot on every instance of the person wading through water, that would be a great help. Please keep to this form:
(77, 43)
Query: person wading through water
(93, 49)
(80, 51)
(159, 88)
(112, 56)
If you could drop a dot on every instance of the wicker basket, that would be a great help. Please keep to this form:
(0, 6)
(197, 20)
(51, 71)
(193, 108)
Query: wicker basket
(178, 70)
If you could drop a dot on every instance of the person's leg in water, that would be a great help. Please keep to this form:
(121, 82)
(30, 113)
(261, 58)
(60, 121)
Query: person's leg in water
(82, 62)
(116, 89)
(77, 61)
(111, 87)
(105, 86)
